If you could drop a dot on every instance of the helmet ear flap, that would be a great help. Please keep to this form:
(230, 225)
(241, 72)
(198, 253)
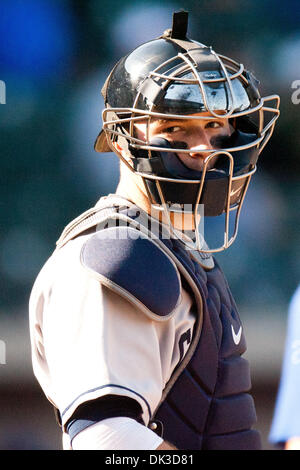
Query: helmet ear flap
(118, 131)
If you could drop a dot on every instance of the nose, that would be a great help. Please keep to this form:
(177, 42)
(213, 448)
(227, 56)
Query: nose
(199, 151)
(199, 145)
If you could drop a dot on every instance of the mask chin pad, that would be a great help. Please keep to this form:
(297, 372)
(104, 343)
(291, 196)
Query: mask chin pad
(214, 194)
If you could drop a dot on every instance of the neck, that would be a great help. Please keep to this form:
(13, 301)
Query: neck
(131, 187)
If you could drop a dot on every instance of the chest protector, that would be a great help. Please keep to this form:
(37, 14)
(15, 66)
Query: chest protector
(209, 406)
(206, 404)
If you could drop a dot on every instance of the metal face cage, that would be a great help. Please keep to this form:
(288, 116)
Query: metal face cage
(224, 89)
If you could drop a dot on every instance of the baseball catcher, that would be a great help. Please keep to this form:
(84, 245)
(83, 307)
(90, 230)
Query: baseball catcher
(136, 338)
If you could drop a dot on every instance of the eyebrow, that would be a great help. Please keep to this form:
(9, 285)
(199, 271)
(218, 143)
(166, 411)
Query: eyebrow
(177, 120)
(171, 122)
(165, 121)
(161, 122)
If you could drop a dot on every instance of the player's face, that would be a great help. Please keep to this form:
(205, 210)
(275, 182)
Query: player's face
(197, 135)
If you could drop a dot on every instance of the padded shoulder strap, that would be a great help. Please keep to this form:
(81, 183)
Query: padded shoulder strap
(104, 209)
(134, 266)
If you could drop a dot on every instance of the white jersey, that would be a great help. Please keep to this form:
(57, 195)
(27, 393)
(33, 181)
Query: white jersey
(88, 341)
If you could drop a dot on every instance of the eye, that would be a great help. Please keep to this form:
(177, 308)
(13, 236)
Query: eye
(171, 129)
(214, 125)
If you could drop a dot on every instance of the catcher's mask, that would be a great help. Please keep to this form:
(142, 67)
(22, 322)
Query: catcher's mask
(176, 78)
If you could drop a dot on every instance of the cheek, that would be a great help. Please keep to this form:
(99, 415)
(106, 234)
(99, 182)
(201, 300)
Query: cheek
(139, 131)
(219, 139)
(196, 162)
(193, 163)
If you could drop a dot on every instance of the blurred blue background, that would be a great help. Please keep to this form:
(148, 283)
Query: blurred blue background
(54, 58)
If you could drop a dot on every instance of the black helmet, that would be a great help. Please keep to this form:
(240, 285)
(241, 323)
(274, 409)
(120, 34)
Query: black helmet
(174, 77)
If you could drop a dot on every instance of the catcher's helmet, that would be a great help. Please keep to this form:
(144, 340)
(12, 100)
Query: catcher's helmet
(173, 77)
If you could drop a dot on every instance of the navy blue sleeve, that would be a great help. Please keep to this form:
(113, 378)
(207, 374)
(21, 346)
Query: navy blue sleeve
(109, 406)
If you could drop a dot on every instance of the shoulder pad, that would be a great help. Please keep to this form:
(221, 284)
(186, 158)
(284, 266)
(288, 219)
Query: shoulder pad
(131, 264)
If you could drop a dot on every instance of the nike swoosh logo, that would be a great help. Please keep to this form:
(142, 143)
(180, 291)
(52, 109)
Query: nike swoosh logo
(236, 336)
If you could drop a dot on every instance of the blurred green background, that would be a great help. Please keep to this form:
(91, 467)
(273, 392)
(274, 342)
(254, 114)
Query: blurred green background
(54, 58)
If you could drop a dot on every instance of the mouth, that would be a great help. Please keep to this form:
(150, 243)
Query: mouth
(197, 162)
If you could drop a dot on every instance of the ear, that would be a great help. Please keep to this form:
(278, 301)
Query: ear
(122, 152)
(118, 147)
